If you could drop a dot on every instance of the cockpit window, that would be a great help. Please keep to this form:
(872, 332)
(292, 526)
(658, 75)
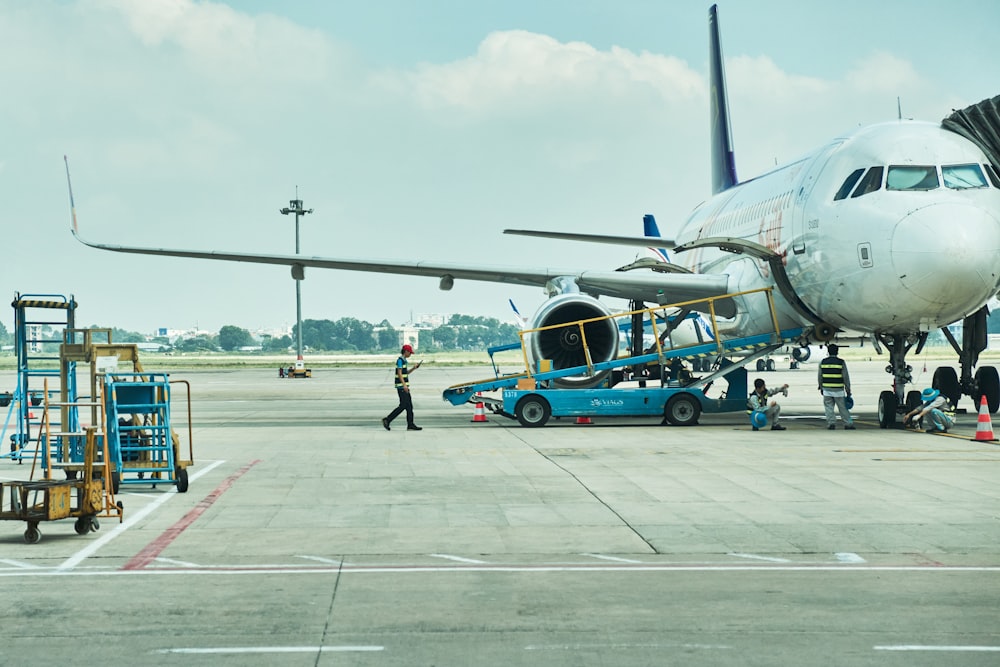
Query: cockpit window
(845, 189)
(870, 183)
(912, 178)
(963, 176)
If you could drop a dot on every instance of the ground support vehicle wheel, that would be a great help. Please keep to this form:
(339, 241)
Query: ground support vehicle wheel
(31, 534)
(532, 410)
(181, 474)
(682, 410)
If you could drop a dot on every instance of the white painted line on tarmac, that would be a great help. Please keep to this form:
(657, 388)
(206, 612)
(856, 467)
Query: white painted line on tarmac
(171, 561)
(328, 561)
(769, 559)
(460, 568)
(612, 558)
(18, 564)
(459, 559)
(130, 520)
(849, 557)
(271, 649)
(918, 647)
(589, 647)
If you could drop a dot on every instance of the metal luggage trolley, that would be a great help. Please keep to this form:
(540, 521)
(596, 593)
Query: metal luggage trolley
(86, 492)
(140, 439)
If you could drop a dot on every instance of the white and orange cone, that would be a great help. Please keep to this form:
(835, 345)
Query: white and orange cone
(984, 425)
(480, 414)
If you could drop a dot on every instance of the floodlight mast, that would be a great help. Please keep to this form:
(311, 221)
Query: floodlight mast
(298, 272)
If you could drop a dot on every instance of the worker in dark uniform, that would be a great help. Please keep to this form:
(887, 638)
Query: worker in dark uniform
(403, 390)
(835, 385)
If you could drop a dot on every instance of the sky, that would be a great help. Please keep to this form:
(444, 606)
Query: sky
(414, 130)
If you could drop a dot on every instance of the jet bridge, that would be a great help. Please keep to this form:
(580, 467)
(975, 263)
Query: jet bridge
(980, 124)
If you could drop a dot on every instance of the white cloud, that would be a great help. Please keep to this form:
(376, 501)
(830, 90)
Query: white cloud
(221, 42)
(517, 69)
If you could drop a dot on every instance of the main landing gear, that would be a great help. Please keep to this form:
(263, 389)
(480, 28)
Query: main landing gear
(984, 382)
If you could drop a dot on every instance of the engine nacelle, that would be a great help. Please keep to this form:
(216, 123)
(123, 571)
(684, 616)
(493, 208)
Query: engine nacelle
(564, 345)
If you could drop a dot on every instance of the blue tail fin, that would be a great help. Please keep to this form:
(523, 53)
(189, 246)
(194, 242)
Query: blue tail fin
(650, 229)
(723, 162)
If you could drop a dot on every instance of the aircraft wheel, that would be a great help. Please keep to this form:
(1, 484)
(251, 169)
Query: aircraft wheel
(945, 380)
(761, 364)
(532, 411)
(886, 409)
(988, 385)
(770, 364)
(682, 410)
(912, 399)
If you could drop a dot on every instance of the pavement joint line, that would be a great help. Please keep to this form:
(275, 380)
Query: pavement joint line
(131, 520)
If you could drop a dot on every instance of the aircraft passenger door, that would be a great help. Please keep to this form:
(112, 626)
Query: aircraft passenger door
(805, 220)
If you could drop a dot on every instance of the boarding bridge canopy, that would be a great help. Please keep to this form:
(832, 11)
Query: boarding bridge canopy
(980, 123)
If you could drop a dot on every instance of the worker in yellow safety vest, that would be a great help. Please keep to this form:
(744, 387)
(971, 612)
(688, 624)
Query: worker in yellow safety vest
(835, 385)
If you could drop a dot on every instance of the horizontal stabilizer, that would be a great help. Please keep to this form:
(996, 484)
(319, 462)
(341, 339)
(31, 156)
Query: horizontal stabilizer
(640, 241)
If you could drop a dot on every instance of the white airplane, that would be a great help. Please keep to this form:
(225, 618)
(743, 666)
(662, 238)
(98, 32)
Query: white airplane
(890, 231)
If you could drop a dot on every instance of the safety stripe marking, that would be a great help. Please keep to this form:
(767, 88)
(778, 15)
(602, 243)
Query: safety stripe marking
(130, 520)
(154, 548)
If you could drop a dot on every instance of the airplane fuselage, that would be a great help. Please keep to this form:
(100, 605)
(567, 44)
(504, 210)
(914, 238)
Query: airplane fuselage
(892, 229)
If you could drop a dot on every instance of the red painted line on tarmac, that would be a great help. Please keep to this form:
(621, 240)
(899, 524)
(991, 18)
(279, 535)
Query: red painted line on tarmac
(156, 547)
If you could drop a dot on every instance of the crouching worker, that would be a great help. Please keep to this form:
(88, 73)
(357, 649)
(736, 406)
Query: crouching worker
(933, 407)
(759, 403)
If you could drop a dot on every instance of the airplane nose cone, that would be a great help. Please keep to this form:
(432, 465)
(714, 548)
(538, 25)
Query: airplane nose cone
(948, 255)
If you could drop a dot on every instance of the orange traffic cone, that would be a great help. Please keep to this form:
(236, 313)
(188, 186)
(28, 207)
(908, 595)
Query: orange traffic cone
(480, 414)
(583, 420)
(984, 426)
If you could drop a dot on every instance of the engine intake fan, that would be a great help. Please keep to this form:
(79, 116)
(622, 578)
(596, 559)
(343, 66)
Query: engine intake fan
(564, 346)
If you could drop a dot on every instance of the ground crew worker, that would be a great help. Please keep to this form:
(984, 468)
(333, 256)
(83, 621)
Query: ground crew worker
(835, 385)
(933, 405)
(403, 391)
(758, 403)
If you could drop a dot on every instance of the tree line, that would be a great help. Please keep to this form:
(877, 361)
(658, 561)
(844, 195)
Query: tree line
(348, 334)
(461, 332)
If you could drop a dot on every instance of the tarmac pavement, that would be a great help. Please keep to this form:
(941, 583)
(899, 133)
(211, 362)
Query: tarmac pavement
(311, 536)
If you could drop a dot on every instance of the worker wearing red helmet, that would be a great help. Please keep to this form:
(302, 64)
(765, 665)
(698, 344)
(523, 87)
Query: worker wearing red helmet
(403, 390)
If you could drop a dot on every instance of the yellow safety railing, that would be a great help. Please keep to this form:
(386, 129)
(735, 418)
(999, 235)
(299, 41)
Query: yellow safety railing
(651, 312)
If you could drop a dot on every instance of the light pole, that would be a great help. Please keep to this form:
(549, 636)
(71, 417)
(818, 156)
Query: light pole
(298, 272)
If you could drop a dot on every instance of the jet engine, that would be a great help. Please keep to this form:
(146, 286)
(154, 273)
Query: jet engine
(564, 346)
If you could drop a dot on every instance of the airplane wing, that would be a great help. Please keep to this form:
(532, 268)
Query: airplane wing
(646, 286)
(649, 287)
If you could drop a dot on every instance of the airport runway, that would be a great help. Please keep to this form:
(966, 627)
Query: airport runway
(311, 536)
